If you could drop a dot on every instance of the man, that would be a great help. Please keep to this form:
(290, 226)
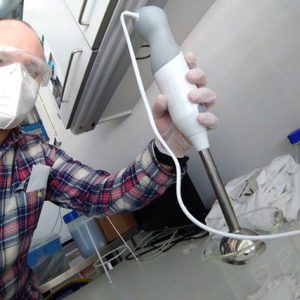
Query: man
(67, 183)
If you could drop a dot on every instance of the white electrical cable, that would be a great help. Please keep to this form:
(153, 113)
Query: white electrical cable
(145, 241)
(135, 16)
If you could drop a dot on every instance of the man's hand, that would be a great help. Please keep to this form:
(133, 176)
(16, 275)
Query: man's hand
(178, 143)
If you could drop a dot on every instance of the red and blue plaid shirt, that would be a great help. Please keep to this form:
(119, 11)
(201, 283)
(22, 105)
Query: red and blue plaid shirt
(71, 185)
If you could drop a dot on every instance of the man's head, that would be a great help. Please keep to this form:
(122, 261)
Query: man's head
(22, 70)
(20, 44)
(18, 34)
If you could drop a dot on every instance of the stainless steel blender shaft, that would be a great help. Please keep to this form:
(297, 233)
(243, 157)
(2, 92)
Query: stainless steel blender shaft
(236, 252)
(220, 191)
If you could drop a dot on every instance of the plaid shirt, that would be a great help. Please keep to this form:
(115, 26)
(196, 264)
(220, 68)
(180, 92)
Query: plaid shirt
(71, 185)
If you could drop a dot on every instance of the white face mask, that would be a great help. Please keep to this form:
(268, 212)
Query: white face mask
(18, 93)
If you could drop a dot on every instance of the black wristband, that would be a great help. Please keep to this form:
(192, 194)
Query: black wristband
(167, 160)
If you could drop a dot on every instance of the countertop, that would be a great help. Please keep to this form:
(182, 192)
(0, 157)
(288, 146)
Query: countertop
(179, 273)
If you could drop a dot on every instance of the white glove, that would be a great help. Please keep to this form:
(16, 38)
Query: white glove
(178, 143)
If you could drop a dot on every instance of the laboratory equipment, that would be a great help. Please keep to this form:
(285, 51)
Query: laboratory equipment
(90, 240)
(87, 235)
(294, 138)
(169, 69)
(79, 227)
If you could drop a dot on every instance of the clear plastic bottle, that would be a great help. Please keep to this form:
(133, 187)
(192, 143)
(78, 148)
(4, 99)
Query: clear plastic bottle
(297, 154)
(80, 226)
(294, 138)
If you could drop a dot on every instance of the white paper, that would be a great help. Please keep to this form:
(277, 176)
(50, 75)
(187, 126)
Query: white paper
(38, 178)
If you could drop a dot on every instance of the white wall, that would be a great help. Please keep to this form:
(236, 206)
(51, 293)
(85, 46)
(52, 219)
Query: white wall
(250, 51)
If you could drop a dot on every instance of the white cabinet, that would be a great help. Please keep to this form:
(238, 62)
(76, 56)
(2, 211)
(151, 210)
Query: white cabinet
(85, 47)
(56, 24)
(89, 15)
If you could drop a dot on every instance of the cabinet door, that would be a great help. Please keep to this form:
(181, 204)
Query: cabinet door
(53, 20)
(90, 15)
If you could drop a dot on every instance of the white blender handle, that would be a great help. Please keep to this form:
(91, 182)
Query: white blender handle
(169, 69)
(171, 81)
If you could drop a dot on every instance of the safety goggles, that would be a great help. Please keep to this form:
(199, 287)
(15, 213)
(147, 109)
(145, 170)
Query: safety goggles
(37, 68)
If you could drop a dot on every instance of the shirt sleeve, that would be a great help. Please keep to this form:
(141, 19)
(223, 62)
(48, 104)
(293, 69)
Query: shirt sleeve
(97, 192)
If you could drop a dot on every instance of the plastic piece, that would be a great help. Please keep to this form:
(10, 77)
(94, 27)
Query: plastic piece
(46, 258)
(152, 25)
(71, 216)
(45, 246)
(83, 230)
(36, 67)
(294, 137)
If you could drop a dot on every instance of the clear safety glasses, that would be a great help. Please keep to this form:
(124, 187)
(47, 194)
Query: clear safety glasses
(37, 68)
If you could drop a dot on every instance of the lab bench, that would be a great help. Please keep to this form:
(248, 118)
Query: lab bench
(72, 253)
(182, 273)
(177, 274)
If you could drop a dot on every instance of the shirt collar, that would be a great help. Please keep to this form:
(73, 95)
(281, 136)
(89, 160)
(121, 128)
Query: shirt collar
(13, 138)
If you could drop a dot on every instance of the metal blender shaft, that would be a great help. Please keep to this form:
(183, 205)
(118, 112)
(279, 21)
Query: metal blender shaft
(220, 191)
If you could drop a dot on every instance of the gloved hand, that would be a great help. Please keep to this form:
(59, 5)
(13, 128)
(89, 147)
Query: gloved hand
(178, 143)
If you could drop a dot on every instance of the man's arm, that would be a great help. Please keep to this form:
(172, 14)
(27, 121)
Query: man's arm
(77, 186)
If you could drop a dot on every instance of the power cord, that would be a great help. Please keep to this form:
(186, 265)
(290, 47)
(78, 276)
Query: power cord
(59, 217)
(158, 242)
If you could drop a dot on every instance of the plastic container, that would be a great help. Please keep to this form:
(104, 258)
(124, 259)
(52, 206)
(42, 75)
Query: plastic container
(294, 138)
(84, 232)
(46, 258)
(274, 274)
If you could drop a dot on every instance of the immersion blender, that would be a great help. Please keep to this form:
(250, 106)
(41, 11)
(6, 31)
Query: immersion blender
(169, 69)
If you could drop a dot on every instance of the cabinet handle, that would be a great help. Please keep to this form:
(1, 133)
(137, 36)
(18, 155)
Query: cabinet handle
(68, 72)
(83, 6)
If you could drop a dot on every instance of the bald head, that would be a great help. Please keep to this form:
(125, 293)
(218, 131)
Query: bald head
(17, 34)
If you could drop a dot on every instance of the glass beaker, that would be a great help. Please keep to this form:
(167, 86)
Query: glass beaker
(276, 266)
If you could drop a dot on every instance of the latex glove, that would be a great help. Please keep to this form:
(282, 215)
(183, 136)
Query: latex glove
(178, 143)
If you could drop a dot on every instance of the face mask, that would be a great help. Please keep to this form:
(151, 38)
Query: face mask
(18, 93)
